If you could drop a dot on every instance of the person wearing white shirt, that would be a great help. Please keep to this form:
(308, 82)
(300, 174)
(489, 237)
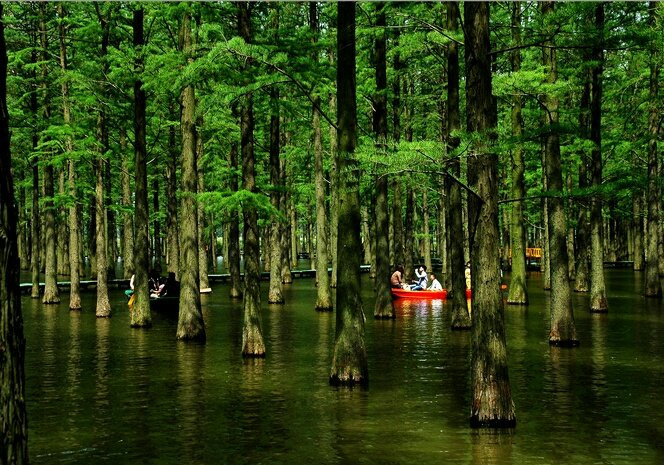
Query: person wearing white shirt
(435, 284)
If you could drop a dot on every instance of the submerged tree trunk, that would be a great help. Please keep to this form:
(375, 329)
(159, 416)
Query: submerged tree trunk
(383, 307)
(235, 290)
(190, 319)
(563, 328)
(51, 291)
(491, 396)
(460, 315)
(128, 217)
(518, 292)
(653, 287)
(275, 294)
(13, 415)
(598, 302)
(140, 311)
(349, 363)
(74, 264)
(252, 333)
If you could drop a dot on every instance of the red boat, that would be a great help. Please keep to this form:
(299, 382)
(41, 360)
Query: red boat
(428, 295)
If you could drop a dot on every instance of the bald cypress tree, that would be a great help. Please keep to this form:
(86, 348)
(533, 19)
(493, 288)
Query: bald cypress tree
(349, 363)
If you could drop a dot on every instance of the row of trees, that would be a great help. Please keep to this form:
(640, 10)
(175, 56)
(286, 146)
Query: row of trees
(560, 140)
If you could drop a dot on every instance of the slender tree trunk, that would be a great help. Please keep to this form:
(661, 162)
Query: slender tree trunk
(140, 312)
(286, 277)
(128, 217)
(349, 363)
(383, 307)
(13, 415)
(293, 231)
(426, 227)
(582, 279)
(156, 228)
(637, 230)
(103, 309)
(35, 217)
(546, 263)
(51, 291)
(252, 334)
(334, 194)
(92, 237)
(570, 229)
(173, 242)
(518, 292)
(190, 319)
(457, 291)
(409, 240)
(275, 293)
(563, 328)
(203, 250)
(62, 245)
(234, 232)
(653, 286)
(491, 396)
(598, 302)
(74, 265)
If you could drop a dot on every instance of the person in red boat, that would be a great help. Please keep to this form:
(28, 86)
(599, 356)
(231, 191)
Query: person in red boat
(396, 278)
(435, 284)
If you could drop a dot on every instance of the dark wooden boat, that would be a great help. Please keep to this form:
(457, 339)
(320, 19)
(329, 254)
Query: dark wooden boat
(165, 304)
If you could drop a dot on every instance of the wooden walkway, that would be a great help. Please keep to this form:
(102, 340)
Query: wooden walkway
(212, 278)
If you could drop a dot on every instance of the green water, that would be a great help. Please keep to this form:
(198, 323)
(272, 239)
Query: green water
(101, 392)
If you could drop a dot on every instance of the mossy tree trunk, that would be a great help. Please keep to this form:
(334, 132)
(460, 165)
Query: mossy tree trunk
(518, 291)
(286, 277)
(569, 180)
(140, 312)
(252, 333)
(35, 230)
(51, 291)
(190, 319)
(349, 362)
(203, 249)
(598, 302)
(233, 264)
(128, 217)
(173, 242)
(637, 231)
(334, 194)
(74, 264)
(582, 278)
(563, 328)
(13, 414)
(103, 308)
(409, 240)
(653, 287)
(275, 293)
(460, 316)
(383, 307)
(491, 396)
(546, 263)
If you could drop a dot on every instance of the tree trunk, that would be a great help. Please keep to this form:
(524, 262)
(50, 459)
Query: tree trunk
(409, 242)
(426, 240)
(569, 180)
(233, 264)
(293, 231)
(349, 363)
(653, 287)
(140, 312)
(563, 328)
(171, 191)
(518, 292)
(398, 229)
(156, 229)
(546, 263)
(14, 424)
(491, 396)
(598, 302)
(334, 194)
(203, 249)
(637, 231)
(103, 309)
(286, 277)
(275, 293)
(62, 244)
(51, 291)
(128, 217)
(457, 291)
(74, 265)
(190, 319)
(35, 216)
(252, 334)
(582, 278)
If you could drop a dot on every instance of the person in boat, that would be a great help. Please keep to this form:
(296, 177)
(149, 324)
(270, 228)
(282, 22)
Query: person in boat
(396, 280)
(156, 284)
(129, 292)
(172, 287)
(467, 273)
(421, 283)
(435, 284)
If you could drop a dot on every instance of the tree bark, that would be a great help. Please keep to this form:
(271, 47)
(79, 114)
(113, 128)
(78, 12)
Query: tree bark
(570, 229)
(582, 279)
(62, 227)
(173, 242)
(140, 312)
(426, 228)
(598, 302)
(491, 396)
(349, 363)
(383, 307)
(51, 291)
(334, 194)
(637, 231)
(13, 414)
(191, 326)
(563, 328)
(156, 227)
(518, 292)
(74, 265)
(275, 293)
(252, 334)
(653, 287)
(35, 217)
(235, 290)
(546, 263)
